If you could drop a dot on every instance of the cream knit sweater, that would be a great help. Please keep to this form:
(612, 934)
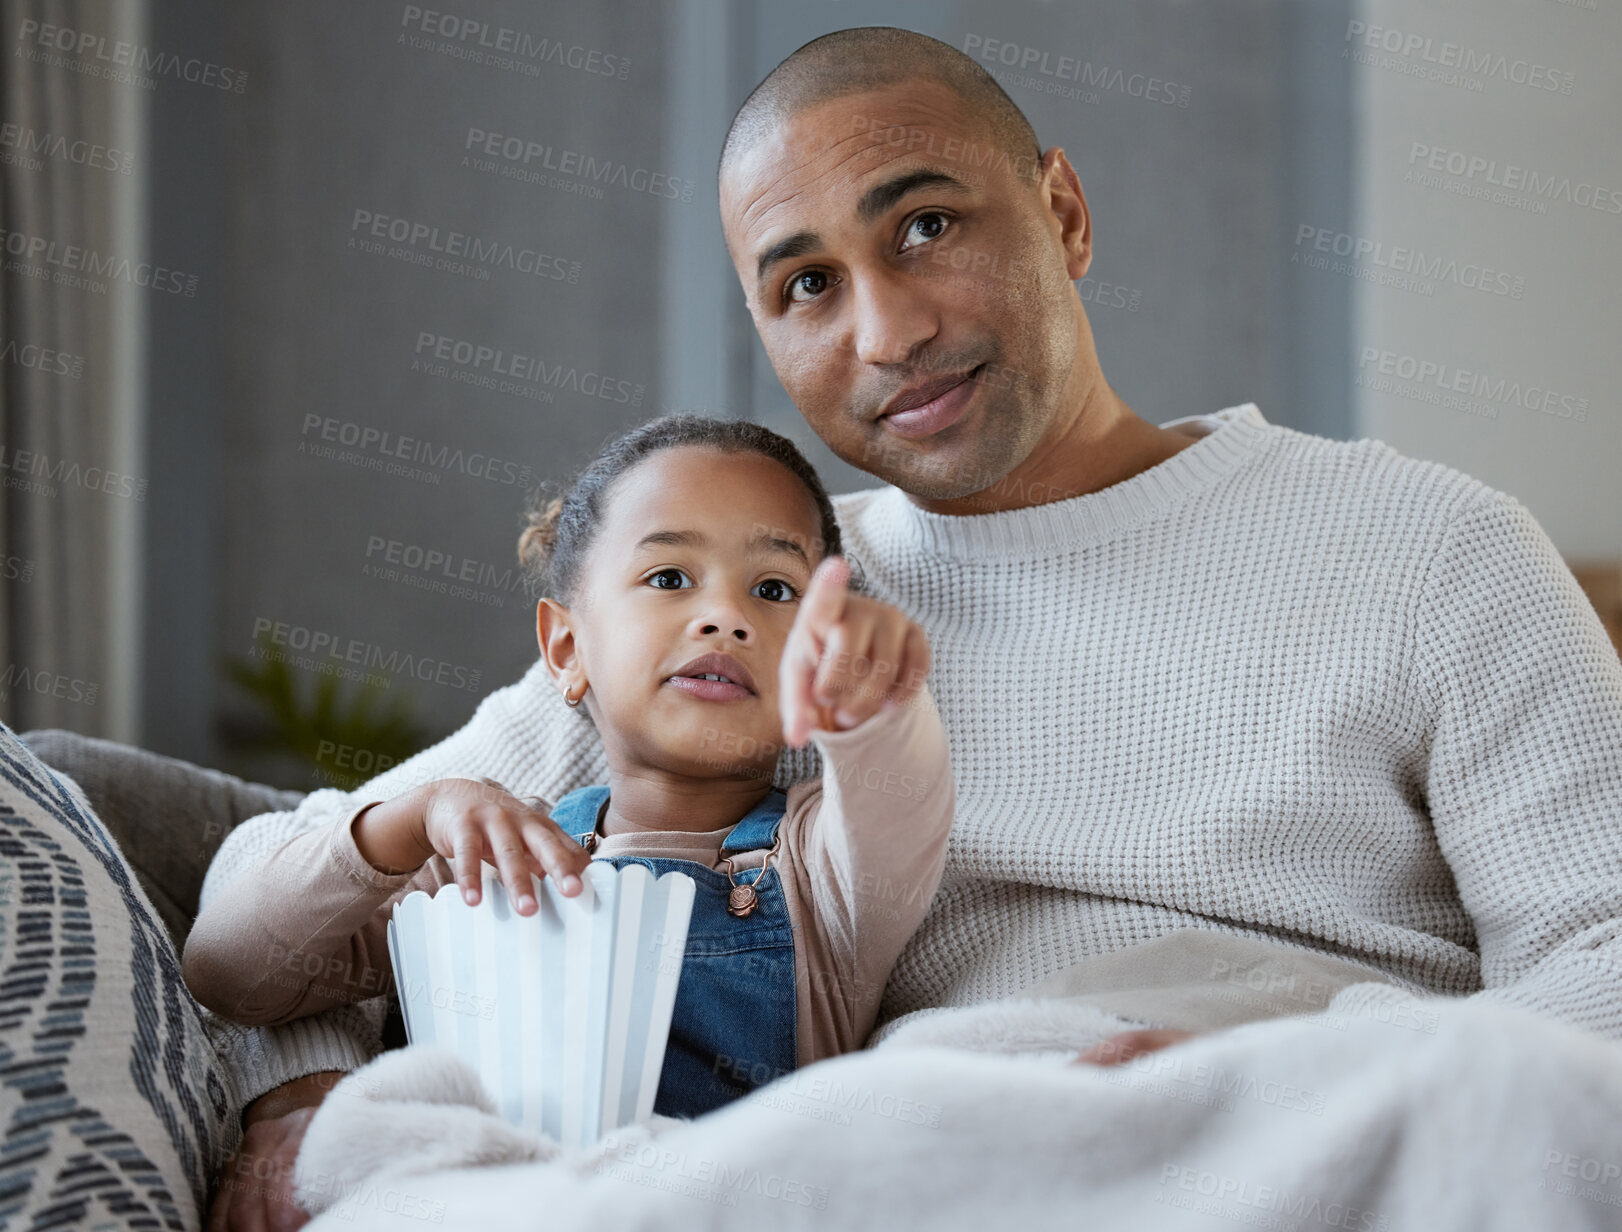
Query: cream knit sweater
(1276, 685)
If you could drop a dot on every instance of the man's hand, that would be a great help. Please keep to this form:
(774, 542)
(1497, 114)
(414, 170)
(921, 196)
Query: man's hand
(256, 1185)
(1129, 1044)
(846, 656)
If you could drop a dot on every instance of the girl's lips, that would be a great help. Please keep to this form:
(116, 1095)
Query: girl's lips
(710, 690)
(942, 412)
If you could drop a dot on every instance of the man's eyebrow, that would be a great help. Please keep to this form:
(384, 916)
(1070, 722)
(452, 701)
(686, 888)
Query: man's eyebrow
(796, 245)
(878, 199)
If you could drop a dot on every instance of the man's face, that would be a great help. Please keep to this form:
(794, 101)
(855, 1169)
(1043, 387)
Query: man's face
(909, 283)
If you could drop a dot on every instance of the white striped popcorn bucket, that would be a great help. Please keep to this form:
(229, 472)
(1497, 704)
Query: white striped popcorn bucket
(564, 1013)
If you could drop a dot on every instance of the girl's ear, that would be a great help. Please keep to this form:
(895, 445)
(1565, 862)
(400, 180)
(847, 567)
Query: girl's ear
(555, 636)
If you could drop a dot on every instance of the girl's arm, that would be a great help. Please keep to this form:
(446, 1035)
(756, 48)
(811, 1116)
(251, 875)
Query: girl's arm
(303, 930)
(310, 929)
(874, 847)
(878, 844)
(869, 840)
(522, 733)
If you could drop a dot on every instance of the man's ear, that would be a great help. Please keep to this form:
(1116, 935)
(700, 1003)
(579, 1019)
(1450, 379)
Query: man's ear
(1062, 197)
(555, 636)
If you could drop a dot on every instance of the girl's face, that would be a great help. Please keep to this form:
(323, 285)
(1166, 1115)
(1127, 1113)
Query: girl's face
(698, 569)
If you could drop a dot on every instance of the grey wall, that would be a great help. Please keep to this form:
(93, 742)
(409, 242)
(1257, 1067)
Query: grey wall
(343, 116)
(1515, 384)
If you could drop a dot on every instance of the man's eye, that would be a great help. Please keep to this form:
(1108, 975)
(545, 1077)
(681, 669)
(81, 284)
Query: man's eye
(654, 579)
(812, 283)
(926, 227)
(779, 590)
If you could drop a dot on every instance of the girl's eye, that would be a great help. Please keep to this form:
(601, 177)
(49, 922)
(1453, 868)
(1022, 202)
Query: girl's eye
(779, 590)
(654, 579)
(926, 227)
(811, 282)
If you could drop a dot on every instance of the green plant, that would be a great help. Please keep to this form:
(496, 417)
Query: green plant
(344, 739)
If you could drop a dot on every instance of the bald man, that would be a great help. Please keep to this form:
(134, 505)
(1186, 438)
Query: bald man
(1226, 700)
(1213, 675)
(953, 359)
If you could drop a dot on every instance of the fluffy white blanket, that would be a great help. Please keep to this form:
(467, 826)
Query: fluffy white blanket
(1385, 1113)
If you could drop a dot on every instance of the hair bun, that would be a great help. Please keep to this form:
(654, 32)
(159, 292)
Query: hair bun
(538, 539)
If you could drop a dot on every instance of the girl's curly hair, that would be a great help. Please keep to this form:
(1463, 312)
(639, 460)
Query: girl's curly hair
(559, 530)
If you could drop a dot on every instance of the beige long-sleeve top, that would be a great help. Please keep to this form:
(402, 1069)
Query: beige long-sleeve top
(861, 855)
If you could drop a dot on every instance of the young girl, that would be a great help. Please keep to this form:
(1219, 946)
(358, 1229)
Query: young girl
(697, 612)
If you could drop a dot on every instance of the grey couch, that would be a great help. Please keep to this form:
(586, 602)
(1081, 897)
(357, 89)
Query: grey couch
(167, 816)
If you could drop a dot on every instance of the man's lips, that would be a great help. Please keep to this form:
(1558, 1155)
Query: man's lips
(736, 681)
(923, 410)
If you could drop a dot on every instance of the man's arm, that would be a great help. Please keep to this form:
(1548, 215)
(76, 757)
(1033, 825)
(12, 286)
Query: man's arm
(1523, 690)
(263, 1059)
(1524, 782)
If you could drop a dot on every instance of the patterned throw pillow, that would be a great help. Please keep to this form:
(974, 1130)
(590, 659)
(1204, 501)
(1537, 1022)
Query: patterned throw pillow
(116, 1111)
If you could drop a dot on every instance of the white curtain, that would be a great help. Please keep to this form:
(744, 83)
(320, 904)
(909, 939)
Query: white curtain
(71, 375)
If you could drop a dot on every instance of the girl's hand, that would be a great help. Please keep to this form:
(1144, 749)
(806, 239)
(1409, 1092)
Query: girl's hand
(469, 821)
(846, 656)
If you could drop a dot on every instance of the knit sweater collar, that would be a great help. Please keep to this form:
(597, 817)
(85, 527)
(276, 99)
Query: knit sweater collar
(1228, 437)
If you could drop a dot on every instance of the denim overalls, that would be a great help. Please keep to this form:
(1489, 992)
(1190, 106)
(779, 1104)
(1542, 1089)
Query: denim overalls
(734, 1026)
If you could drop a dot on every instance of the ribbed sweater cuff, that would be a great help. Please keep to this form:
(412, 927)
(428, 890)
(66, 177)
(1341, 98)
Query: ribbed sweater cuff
(262, 1058)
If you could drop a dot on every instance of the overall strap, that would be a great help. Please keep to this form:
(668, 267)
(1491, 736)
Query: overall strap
(576, 814)
(759, 826)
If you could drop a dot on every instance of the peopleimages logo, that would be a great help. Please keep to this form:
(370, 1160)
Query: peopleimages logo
(76, 265)
(66, 471)
(1210, 1193)
(1427, 375)
(502, 46)
(332, 654)
(1514, 178)
(963, 151)
(22, 140)
(383, 444)
(1399, 261)
(499, 365)
(42, 359)
(425, 243)
(1036, 60)
(1426, 52)
(47, 684)
(527, 160)
(94, 55)
(442, 572)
